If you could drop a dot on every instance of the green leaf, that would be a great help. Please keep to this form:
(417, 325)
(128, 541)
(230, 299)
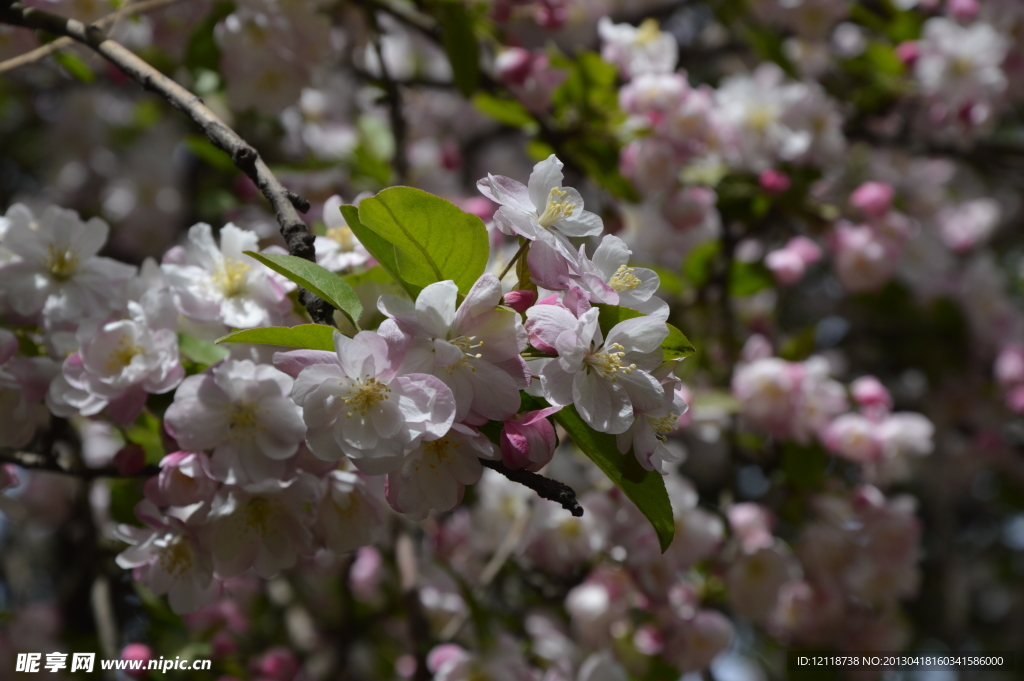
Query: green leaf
(506, 111)
(74, 65)
(697, 266)
(460, 45)
(307, 336)
(646, 489)
(200, 351)
(202, 50)
(319, 280)
(146, 432)
(204, 150)
(746, 279)
(675, 345)
(420, 238)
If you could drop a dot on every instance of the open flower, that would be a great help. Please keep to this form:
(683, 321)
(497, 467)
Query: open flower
(609, 279)
(243, 412)
(607, 379)
(648, 434)
(120, 363)
(339, 249)
(350, 513)
(435, 474)
(474, 350)
(57, 271)
(544, 210)
(355, 404)
(264, 526)
(214, 282)
(168, 558)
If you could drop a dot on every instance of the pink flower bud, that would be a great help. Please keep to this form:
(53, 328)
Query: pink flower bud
(279, 664)
(808, 251)
(752, 525)
(130, 460)
(520, 300)
(443, 655)
(514, 65)
(908, 51)
(185, 478)
(528, 440)
(1015, 399)
(224, 645)
(873, 198)
(137, 651)
(366, 574)
(1010, 365)
(774, 181)
(787, 266)
(868, 391)
(964, 10)
(551, 14)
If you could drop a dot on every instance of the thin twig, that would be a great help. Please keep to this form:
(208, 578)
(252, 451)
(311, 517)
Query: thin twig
(419, 630)
(46, 50)
(400, 161)
(284, 202)
(515, 258)
(40, 462)
(546, 488)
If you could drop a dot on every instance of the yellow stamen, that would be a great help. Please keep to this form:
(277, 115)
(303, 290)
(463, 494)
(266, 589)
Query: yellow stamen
(365, 394)
(230, 277)
(438, 452)
(244, 419)
(258, 513)
(343, 237)
(62, 264)
(177, 557)
(557, 208)
(759, 118)
(648, 31)
(663, 425)
(121, 356)
(609, 362)
(624, 279)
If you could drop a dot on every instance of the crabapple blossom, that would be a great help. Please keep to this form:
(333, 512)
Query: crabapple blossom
(355, 404)
(755, 578)
(528, 440)
(609, 279)
(969, 224)
(185, 478)
(863, 261)
(23, 384)
(648, 435)
(55, 270)
(351, 513)
(961, 64)
(607, 379)
(698, 640)
(264, 526)
(219, 283)
(638, 50)
(854, 437)
(874, 199)
(168, 557)
(434, 475)
(474, 350)
(339, 249)
(244, 413)
(544, 210)
(119, 364)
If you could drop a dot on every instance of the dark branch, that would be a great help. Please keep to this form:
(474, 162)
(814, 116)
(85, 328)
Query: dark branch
(283, 201)
(39, 462)
(400, 162)
(546, 488)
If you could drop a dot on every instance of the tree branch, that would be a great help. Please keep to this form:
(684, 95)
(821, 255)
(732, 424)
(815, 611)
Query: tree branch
(40, 462)
(546, 488)
(283, 201)
(400, 161)
(44, 51)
